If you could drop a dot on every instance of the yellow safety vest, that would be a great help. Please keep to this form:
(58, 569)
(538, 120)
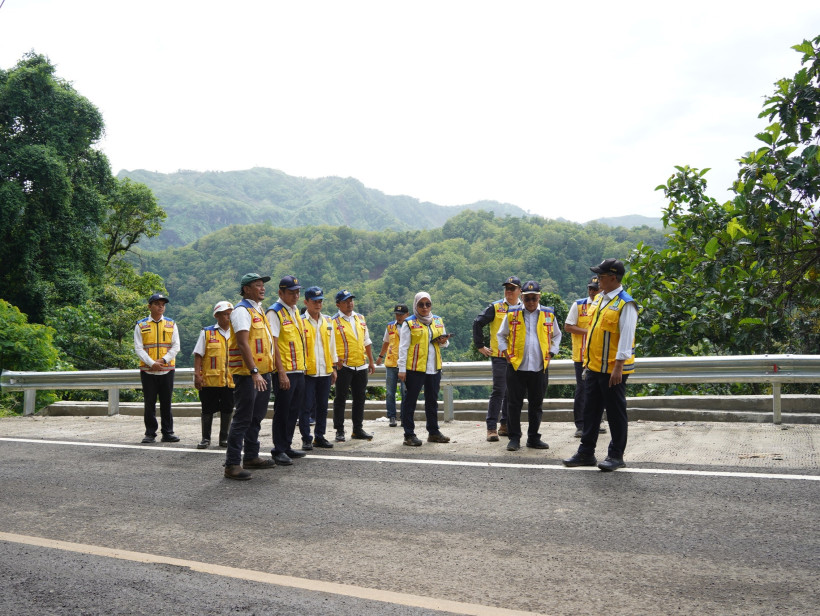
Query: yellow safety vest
(291, 338)
(215, 359)
(157, 337)
(501, 308)
(325, 330)
(391, 360)
(604, 334)
(420, 337)
(259, 341)
(350, 346)
(579, 341)
(517, 338)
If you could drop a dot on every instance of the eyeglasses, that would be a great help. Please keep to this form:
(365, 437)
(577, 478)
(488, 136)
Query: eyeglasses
(424, 304)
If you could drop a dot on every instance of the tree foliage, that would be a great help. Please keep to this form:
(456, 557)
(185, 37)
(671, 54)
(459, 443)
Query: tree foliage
(740, 277)
(132, 213)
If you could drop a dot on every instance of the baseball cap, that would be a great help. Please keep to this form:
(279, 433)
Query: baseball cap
(290, 283)
(593, 283)
(401, 309)
(252, 277)
(158, 297)
(531, 287)
(222, 306)
(609, 266)
(314, 293)
(512, 280)
(343, 295)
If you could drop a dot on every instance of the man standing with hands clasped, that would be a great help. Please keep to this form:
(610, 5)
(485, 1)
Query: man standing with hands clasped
(610, 358)
(528, 338)
(156, 343)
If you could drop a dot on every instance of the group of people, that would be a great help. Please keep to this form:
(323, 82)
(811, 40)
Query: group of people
(251, 353)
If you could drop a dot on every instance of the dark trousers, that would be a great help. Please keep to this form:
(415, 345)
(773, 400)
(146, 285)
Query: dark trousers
(414, 381)
(251, 408)
(216, 400)
(497, 408)
(521, 384)
(578, 404)
(153, 386)
(317, 391)
(599, 396)
(348, 380)
(287, 405)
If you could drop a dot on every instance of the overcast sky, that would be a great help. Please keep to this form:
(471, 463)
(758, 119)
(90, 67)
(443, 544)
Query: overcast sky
(573, 110)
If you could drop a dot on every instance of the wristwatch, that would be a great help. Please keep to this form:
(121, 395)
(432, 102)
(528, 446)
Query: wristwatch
(255, 371)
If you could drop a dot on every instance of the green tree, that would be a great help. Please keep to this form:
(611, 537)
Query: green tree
(740, 277)
(52, 184)
(25, 346)
(132, 213)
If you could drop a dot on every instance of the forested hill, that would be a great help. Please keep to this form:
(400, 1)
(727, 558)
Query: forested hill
(199, 203)
(461, 264)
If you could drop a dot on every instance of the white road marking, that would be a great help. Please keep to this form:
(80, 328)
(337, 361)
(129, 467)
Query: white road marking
(422, 461)
(360, 592)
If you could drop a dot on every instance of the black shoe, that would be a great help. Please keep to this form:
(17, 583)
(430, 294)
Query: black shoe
(361, 434)
(412, 441)
(340, 436)
(322, 442)
(170, 438)
(295, 453)
(393, 422)
(307, 445)
(539, 444)
(580, 459)
(149, 439)
(234, 471)
(223, 443)
(282, 459)
(611, 464)
(259, 463)
(514, 444)
(204, 444)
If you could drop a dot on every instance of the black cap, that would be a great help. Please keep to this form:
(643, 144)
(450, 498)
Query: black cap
(593, 283)
(531, 287)
(512, 280)
(314, 293)
(401, 309)
(158, 297)
(609, 266)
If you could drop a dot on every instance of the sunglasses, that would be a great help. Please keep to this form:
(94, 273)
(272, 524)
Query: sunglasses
(424, 304)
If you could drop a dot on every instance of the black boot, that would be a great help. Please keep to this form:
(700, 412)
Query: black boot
(224, 427)
(207, 422)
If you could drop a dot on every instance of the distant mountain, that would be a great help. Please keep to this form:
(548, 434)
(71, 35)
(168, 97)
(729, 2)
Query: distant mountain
(631, 221)
(199, 203)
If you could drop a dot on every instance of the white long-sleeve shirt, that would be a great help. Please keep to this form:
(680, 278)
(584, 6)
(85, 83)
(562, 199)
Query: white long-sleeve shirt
(627, 323)
(533, 358)
(404, 346)
(139, 349)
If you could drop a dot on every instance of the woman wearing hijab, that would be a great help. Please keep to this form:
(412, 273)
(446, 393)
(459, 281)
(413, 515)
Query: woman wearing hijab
(421, 339)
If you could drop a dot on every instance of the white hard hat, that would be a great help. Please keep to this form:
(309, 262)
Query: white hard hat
(222, 307)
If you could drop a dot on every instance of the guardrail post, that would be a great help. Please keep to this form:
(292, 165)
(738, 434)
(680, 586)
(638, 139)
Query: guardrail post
(776, 404)
(113, 401)
(29, 401)
(448, 403)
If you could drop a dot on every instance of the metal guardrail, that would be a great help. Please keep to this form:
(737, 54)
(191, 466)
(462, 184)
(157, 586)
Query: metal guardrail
(772, 369)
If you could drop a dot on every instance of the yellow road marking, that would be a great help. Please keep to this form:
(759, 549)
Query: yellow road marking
(359, 592)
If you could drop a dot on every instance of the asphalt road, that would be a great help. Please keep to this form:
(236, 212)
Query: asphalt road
(158, 530)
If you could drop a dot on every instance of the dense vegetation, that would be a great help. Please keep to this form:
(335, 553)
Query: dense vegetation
(460, 264)
(199, 203)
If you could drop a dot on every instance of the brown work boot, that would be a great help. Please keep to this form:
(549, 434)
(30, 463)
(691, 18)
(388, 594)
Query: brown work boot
(502, 429)
(234, 471)
(438, 438)
(492, 436)
(259, 463)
